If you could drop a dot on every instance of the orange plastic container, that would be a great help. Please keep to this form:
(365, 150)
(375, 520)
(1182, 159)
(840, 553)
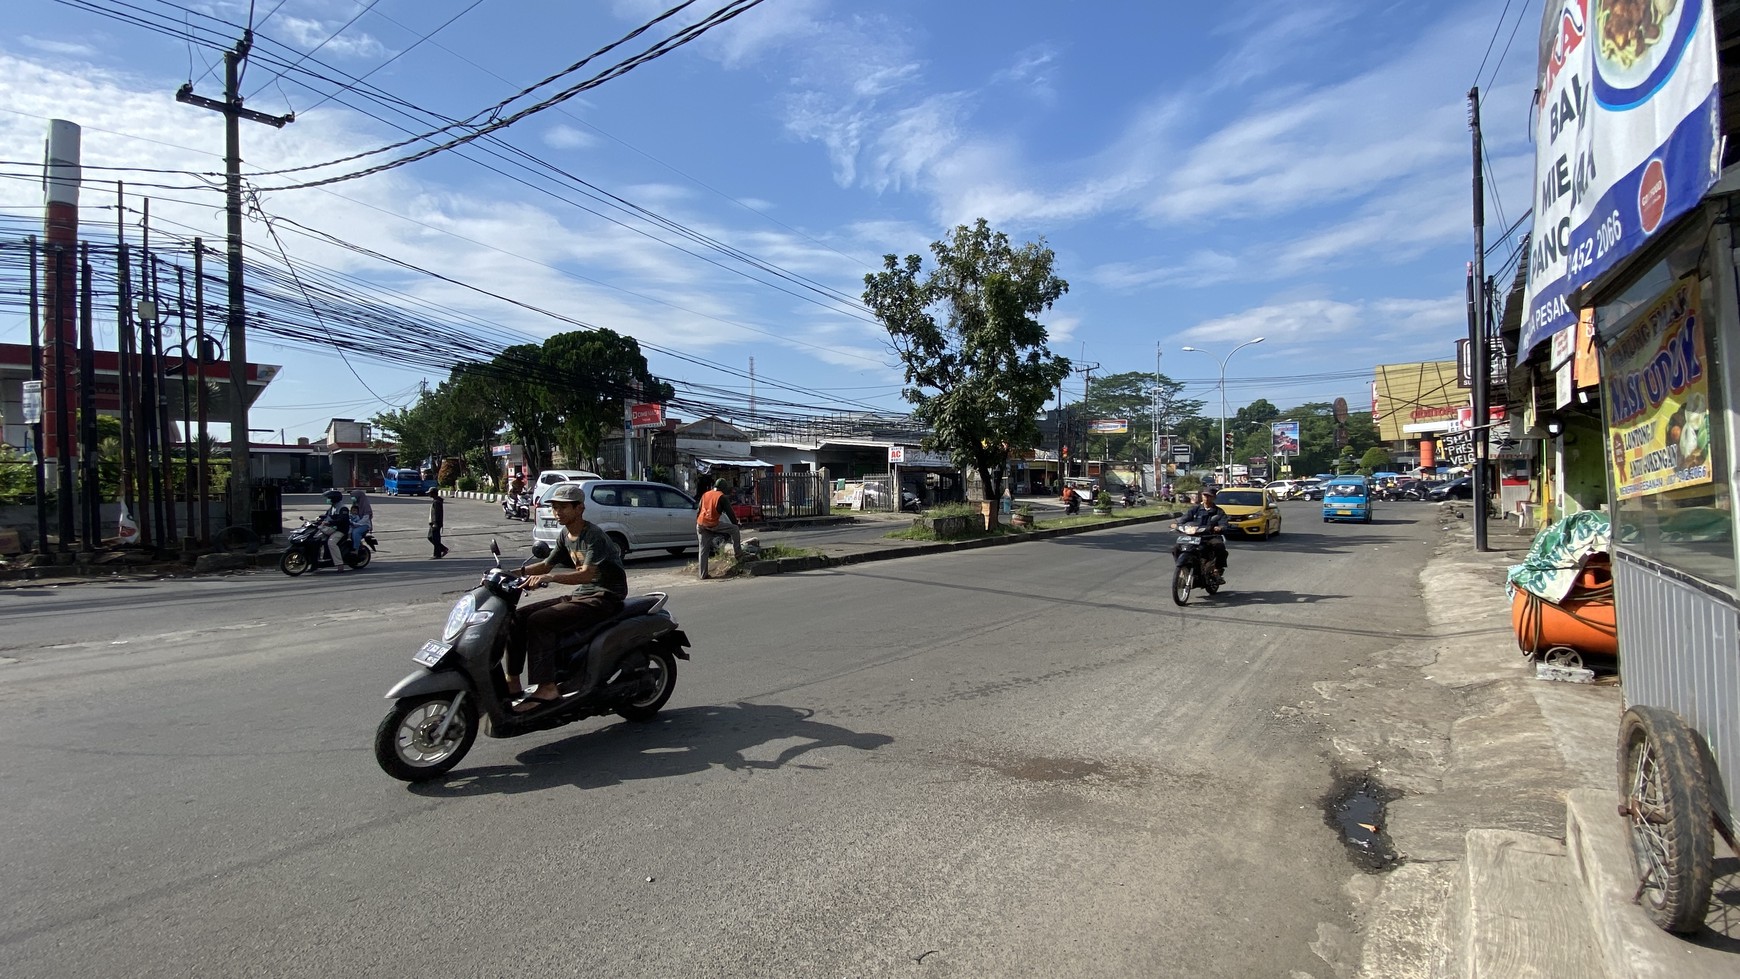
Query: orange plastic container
(1585, 625)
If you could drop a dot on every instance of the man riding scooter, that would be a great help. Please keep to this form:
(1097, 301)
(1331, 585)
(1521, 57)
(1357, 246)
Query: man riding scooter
(336, 521)
(1205, 513)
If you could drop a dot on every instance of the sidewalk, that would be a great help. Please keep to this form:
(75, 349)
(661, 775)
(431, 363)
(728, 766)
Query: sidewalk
(1514, 860)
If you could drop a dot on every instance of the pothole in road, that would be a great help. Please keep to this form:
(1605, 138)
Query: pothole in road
(1355, 809)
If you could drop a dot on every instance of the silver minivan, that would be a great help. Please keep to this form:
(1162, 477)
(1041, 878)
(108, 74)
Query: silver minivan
(639, 516)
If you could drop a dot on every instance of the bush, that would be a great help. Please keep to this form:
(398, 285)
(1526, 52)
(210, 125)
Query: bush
(466, 483)
(450, 471)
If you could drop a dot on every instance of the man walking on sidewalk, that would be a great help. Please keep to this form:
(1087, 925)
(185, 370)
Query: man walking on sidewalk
(715, 521)
(436, 515)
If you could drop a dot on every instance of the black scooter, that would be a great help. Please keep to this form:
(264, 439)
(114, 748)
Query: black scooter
(1194, 562)
(306, 550)
(516, 507)
(626, 666)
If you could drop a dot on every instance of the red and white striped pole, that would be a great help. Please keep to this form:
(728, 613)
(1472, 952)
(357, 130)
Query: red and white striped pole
(61, 232)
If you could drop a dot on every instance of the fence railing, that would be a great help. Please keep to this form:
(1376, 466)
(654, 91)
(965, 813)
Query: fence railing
(792, 495)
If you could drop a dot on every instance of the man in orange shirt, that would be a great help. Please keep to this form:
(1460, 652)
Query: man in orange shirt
(715, 521)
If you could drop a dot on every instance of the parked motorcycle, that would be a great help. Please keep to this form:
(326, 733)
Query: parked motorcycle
(1194, 562)
(626, 666)
(306, 550)
(516, 506)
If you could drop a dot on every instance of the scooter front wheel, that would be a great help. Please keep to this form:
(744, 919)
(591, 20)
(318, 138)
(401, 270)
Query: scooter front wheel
(406, 744)
(293, 563)
(1181, 586)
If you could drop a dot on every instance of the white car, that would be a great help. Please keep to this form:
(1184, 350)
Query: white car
(638, 516)
(551, 477)
(1282, 489)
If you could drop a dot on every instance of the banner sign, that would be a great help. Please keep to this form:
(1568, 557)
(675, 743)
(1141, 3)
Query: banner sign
(646, 415)
(1285, 438)
(907, 455)
(1109, 426)
(1626, 140)
(32, 402)
(1456, 449)
(1655, 386)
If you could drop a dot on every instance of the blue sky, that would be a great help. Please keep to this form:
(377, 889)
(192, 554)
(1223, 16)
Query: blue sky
(1206, 173)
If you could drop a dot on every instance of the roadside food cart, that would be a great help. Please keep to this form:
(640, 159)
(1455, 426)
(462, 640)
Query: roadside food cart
(1640, 231)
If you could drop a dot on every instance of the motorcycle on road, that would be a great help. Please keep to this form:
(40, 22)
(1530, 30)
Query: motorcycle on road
(516, 507)
(626, 666)
(306, 550)
(1194, 562)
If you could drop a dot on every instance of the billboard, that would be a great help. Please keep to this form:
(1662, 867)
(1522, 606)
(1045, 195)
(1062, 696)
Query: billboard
(1109, 426)
(1656, 394)
(645, 415)
(1626, 139)
(1412, 399)
(1285, 438)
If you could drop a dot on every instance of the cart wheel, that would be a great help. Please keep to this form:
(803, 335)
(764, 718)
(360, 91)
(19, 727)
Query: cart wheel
(1666, 805)
(1563, 656)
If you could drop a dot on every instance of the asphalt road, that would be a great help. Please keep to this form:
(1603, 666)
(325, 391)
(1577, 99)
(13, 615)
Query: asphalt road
(1013, 761)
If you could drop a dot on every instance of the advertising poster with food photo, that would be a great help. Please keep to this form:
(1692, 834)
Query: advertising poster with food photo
(1626, 140)
(1656, 391)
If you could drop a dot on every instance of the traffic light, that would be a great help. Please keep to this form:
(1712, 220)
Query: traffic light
(1227, 441)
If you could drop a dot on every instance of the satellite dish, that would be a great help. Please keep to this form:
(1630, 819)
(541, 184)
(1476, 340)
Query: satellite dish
(1341, 409)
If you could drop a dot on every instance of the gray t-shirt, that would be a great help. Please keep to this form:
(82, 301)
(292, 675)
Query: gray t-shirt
(595, 548)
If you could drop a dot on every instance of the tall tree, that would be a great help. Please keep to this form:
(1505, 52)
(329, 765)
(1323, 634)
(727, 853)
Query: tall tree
(978, 370)
(1130, 395)
(604, 371)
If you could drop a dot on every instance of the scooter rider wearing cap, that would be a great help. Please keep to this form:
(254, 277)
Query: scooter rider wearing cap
(584, 556)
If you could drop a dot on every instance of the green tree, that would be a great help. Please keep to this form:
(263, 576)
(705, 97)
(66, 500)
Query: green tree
(977, 367)
(442, 423)
(1375, 459)
(610, 370)
(1130, 395)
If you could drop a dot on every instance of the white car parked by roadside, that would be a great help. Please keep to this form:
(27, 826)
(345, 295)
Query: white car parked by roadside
(637, 515)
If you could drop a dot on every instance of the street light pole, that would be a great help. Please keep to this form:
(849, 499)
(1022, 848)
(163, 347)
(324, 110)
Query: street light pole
(1225, 469)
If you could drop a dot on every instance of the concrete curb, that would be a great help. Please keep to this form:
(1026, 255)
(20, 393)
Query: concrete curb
(819, 562)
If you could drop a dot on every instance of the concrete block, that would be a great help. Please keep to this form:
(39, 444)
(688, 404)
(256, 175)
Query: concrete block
(1523, 913)
(1631, 946)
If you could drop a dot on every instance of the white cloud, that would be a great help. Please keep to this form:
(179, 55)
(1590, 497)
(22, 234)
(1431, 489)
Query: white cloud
(565, 137)
(1398, 329)
(305, 34)
(70, 49)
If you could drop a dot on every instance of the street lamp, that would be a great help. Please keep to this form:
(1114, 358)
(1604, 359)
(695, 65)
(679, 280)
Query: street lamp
(1226, 471)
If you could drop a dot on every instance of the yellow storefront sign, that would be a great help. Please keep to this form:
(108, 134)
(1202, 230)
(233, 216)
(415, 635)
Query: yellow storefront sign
(1655, 384)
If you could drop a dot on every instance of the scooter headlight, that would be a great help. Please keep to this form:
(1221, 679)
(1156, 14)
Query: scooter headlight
(457, 618)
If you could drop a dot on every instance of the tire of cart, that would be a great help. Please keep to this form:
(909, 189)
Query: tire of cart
(1665, 800)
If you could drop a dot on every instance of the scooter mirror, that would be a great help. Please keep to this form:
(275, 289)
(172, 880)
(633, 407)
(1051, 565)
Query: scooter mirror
(495, 549)
(541, 550)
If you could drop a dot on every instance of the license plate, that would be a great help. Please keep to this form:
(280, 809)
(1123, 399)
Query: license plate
(432, 652)
(1344, 513)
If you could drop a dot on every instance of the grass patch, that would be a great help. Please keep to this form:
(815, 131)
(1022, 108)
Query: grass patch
(774, 552)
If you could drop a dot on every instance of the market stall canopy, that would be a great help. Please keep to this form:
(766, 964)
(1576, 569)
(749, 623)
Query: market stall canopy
(740, 462)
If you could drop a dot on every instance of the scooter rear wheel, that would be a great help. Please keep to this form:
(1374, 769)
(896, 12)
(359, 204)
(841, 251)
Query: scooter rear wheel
(293, 563)
(361, 558)
(661, 668)
(404, 742)
(1181, 580)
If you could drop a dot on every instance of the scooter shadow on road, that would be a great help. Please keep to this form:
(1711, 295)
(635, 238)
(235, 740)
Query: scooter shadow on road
(685, 741)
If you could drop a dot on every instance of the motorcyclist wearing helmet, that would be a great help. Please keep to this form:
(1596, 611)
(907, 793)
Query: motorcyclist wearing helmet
(1207, 514)
(336, 520)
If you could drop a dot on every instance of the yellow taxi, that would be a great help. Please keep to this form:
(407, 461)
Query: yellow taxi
(1251, 512)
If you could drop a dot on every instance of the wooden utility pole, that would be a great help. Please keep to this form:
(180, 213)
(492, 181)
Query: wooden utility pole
(241, 482)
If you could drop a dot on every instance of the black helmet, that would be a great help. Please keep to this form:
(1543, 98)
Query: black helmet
(333, 496)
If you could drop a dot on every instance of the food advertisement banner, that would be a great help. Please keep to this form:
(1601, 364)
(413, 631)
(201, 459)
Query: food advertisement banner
(1656, 390)
(1626, 140)
(1285, 438)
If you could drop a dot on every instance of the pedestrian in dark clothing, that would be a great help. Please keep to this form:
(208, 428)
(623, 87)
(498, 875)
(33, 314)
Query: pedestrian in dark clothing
(436, 520)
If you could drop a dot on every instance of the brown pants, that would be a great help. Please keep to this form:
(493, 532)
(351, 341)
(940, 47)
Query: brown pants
(539, 628)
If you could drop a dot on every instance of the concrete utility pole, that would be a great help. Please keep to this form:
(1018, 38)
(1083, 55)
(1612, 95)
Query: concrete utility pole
(241, 481)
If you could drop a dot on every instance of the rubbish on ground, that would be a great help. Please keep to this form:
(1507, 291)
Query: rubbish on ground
(1563, 674)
